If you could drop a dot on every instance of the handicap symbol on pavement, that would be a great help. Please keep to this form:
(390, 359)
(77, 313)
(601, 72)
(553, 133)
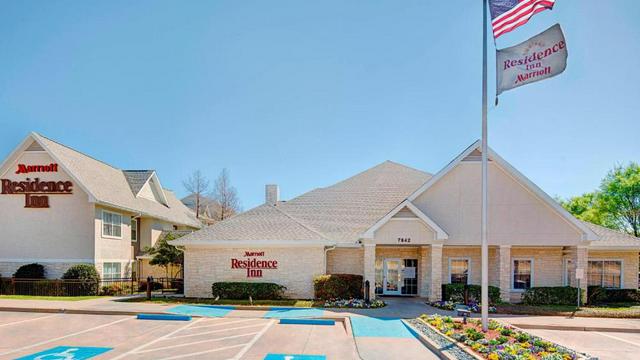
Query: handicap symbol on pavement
(66, 353)
(294, 357)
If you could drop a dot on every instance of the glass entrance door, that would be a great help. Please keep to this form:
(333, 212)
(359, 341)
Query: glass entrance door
(392, 276)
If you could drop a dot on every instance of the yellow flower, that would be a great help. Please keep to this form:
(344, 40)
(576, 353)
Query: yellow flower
(493, 356)
(449, 333)
(551, 349)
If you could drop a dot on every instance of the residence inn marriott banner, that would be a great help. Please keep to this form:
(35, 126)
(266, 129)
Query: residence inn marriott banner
(408, 232)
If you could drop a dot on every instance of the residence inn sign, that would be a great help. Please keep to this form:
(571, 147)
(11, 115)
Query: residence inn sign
(252, 264)
(36, 192)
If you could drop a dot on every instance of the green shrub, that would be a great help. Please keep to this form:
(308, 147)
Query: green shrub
(474, 334)
(30, 271)
(455, 293)
(599, 295)
(242, 290)
(337, 286)
(552, 295)
(88, 280)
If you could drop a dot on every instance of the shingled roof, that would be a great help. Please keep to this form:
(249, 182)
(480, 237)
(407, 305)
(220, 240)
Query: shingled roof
(137, 179)
(612, 238)
(111, 186)
(334, 214)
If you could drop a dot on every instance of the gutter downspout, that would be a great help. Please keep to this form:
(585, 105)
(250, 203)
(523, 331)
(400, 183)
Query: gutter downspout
(326, 250)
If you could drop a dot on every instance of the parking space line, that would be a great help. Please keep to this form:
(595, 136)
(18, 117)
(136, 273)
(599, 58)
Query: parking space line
(253, 341)
(163, 337)
(619, 339)
(193, 343)
(27, 320)
(202, 352)
(65, 336)
(223, 323)
(215, 331)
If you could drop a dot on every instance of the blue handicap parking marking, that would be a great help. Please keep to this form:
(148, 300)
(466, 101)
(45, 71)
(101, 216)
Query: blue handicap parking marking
(364, 326)
(67, 353)
(293, 313)
(202, 310)
(294, 357)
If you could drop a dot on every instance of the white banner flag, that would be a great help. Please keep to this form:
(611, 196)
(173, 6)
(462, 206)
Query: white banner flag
(541, 57)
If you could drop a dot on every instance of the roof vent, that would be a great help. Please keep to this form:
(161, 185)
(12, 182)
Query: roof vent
(271, 194)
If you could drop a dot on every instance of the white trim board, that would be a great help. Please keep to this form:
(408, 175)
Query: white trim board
(439, 232)
(587, 233)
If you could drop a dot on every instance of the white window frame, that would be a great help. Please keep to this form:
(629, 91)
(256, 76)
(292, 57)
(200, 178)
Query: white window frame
(566, 281)
(513, 269)
(103, 223)
(621, 261)
(119, 275)
(468, 259)
(134, 220)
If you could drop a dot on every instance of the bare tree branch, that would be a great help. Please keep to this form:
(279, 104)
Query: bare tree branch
(226, 196)
(197, 185)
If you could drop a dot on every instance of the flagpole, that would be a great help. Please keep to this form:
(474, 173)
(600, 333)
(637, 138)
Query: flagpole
(484, 298)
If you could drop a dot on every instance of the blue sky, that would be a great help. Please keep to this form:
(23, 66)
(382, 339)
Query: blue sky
(304, 93)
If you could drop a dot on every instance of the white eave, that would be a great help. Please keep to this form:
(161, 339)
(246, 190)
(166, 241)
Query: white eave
(440, 233)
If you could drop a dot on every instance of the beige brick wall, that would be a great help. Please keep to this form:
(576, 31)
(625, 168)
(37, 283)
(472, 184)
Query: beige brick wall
(472, 253)
(296, 269)
(345, 261)
(547, 267)
(629, 265)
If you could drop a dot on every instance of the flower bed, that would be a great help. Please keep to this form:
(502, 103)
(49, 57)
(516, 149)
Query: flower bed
(500, 342)
(451, 306)
(354, 303)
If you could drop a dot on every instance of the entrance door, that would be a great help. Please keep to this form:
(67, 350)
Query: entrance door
(392, 276)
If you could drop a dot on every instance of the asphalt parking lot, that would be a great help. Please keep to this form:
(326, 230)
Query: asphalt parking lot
(124, 337)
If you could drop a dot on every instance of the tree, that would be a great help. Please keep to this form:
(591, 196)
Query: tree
(587, 207)
(616, 204)
(226, 196)
(197, 185)
(620, 197)
(166, 255)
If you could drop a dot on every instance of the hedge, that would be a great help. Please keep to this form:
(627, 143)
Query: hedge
(599, 295)
(88, 277)
(551, 295)
(337, 286)
(242, 290)
(455, 293)
(30, 271)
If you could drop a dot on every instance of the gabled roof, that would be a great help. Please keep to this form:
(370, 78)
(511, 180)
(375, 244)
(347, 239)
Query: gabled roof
(107, 185)
(610, 238)
(473, 150)
(339, 213)
(440, 233)
(137, 179)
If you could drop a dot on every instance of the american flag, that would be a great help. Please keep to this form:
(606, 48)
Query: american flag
(507, 15)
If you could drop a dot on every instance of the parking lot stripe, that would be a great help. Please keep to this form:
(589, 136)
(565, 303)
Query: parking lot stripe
(215, 331)
(27, 320)
(619, 339)
(65, 336)
(202, 352)
(253, 341)
(163, 337)
(222, 323)
(194, 342)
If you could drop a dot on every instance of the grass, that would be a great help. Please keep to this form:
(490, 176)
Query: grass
(49, 298)
(176, 300)
(621, 310)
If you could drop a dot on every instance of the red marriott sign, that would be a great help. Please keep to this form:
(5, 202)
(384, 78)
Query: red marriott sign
(36, 192)
(253, 265)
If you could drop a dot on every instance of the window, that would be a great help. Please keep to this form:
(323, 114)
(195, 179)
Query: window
(110, 270)
(605, 273)
(134, 229)
(459, 271)
(111, 224)
(522, 274)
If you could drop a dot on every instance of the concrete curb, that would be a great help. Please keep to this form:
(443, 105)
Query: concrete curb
(428, 343)
(576, 328)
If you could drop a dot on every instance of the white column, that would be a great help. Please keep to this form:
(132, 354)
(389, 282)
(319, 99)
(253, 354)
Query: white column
(582, 258)
(435, 291)
(504, 272)
(370, 267)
